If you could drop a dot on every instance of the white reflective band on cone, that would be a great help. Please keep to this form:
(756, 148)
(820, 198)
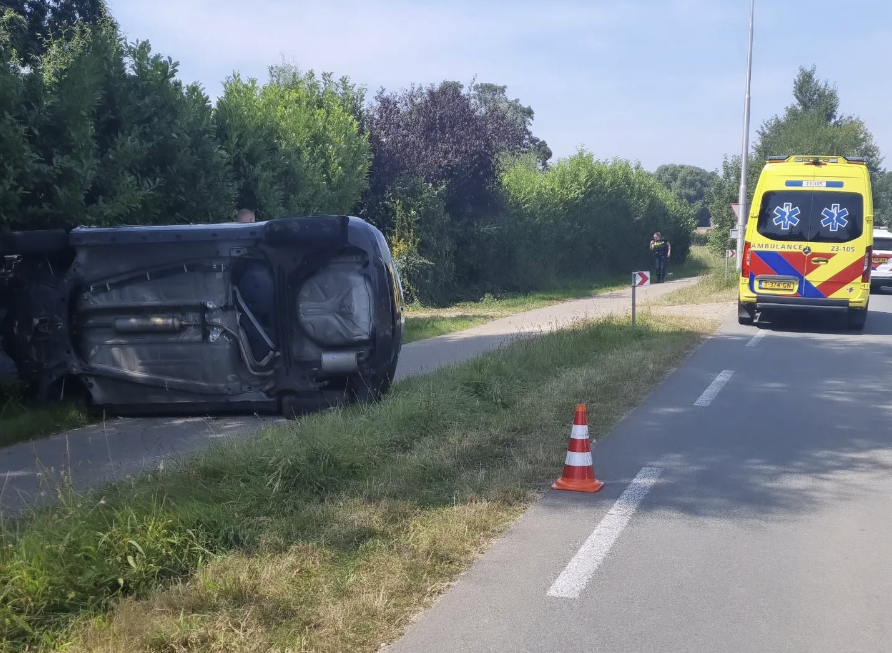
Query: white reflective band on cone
(579, 459)
(579, 432)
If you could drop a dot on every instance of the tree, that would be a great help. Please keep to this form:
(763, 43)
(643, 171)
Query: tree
(295, 144)
(437, 152)
(101, 132)
(811, 125)
(350, 96)
(690, 184)
(46, 21)
(438, 135)
(157, 144)
(17, 155)
(882, 198)
(511, 120)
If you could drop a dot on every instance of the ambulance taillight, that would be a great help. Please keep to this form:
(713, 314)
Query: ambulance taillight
(865, 275)
(745, 261)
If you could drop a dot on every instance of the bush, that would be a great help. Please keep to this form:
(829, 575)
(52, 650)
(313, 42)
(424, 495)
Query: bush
(584, 216)
(295, 145)
(423, 245)
(99, 131)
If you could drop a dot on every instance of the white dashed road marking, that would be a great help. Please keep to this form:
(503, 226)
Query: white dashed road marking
(591, 554)
(714, 388)
(755, 339)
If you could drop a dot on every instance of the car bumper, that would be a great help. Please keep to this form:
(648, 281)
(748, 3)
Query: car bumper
(858, 300)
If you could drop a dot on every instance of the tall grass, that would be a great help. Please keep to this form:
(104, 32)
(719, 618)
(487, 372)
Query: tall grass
(22, 419)
(715, 284)
(328, 533)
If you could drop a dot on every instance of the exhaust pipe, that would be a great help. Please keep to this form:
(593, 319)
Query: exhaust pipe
(340, 362)
(153, 324)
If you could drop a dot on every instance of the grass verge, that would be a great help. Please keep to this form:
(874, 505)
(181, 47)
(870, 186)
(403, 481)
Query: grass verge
(20, 421)
(329, 533)
(426, 322)
(713, 287)
(420, 328)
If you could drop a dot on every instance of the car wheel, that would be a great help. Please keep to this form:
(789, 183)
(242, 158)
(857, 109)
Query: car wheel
(365, 390)
(857, 319)
(30, 243)
(745, 313)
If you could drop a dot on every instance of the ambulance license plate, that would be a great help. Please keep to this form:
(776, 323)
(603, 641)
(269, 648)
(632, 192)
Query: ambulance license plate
(783, 286)
(880, 260)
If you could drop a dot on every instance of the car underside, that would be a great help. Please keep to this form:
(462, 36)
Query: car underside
(286, 315)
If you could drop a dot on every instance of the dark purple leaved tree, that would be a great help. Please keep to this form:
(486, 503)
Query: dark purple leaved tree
(448, 137)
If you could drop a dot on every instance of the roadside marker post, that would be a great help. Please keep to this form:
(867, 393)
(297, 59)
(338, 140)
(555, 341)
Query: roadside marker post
(729, 254)
(639, 280)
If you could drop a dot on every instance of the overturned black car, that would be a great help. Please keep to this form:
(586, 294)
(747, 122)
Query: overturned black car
(289, 315)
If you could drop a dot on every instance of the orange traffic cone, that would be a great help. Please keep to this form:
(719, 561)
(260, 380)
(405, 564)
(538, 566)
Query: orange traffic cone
(579, 470)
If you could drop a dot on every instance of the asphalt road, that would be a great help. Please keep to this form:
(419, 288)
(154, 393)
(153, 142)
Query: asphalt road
(118, 448)
(746, 508)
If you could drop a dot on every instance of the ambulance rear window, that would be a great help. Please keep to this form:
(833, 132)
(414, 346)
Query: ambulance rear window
(882, 244)
(815, 216)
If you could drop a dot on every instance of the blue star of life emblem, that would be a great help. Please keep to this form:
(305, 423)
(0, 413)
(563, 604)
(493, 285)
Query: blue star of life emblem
(785, 217)
(834, 217)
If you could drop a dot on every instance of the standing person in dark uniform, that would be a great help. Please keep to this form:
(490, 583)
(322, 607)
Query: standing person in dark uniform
(662, 251)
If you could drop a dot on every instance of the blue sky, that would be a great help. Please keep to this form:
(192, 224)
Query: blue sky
(657, 81)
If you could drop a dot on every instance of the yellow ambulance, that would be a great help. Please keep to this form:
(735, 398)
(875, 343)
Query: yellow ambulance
(809, 237)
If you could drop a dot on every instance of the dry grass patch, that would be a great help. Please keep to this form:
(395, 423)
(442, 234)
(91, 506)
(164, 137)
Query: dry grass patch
(306, 598)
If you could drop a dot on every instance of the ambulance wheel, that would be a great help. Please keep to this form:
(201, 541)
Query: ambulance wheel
(857, 318)
(745, 313)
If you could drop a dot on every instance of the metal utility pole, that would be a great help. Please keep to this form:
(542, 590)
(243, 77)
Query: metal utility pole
(744, 155)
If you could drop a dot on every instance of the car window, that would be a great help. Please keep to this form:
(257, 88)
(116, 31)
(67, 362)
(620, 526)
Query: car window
(882, 244)
(823, 217)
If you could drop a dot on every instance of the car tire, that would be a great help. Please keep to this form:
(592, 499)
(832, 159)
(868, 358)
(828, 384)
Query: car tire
(857, 319)
(745, 313)
(34, 243)
(366, 390)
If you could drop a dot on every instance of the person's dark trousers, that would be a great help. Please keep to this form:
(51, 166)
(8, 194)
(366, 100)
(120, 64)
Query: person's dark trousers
(660, 262)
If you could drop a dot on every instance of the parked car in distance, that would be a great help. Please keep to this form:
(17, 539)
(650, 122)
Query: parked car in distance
(289, 315)
(881, 261)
